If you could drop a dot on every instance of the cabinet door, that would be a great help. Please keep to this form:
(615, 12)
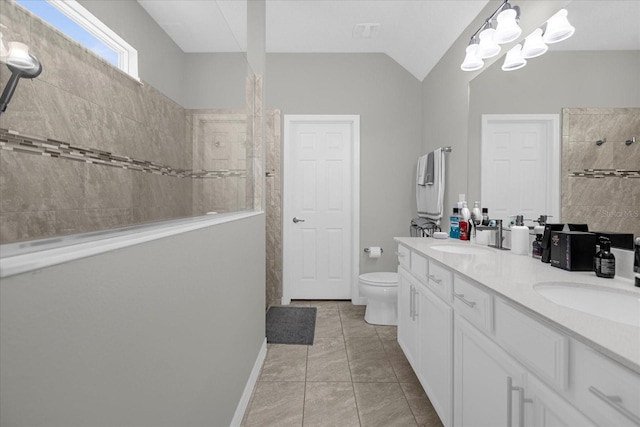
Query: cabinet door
(487, 382)
(545, 408)
(407, 316)
(436, 352)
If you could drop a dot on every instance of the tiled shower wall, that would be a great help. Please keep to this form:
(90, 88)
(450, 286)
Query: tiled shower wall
(84, 102)
(273, 206)
(607, 198)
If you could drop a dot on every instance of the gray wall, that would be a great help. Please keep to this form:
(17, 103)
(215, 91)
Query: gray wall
(215, 80)
(546, 85)
(160, 334)
(160, 60)
(387, 98)
(445, 100)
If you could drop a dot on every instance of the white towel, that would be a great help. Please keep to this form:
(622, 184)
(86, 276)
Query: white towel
(422, 170)
(428, 175)
(430, 198)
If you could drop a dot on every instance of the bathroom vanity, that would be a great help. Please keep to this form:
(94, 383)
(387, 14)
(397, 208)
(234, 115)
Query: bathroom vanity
(491, 347)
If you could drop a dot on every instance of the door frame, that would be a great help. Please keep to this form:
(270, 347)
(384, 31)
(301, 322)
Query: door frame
(287, 185)
(552, 122)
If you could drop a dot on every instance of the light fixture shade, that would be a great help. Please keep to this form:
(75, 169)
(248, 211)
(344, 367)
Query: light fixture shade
(508, 29)
(513, 59)
(488, 48)
(558, 28)
(472, 61)
(4, 52)
(534, 45)
(19, 56)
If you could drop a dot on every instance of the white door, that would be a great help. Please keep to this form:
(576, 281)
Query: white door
(521, 166)
(320, 200)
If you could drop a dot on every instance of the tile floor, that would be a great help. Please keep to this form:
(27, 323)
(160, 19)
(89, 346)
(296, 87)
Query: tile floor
(354, 374)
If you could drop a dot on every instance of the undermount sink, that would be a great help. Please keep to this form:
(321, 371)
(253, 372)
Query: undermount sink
(613, 304)
(460, 249)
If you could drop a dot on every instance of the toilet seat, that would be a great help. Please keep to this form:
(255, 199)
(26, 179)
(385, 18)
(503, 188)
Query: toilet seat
(382, 278)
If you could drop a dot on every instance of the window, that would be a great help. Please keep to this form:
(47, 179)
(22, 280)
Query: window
(79, 24)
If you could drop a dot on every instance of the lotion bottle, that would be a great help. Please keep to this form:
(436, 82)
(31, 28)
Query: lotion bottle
(520, 237)
(604, 263)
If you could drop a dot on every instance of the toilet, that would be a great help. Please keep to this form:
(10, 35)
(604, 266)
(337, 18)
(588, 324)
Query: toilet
(381, 291)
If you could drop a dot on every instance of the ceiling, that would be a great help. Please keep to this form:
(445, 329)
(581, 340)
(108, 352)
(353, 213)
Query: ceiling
(415, 33)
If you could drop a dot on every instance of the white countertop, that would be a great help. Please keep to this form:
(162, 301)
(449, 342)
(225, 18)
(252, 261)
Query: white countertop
(513, 277)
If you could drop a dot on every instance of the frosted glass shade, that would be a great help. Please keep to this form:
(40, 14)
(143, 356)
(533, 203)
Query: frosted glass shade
(558, 28)
(488, 48)
(4, 52)
(534, 45)
(472, 61)
(508, 29)
(19, 56)
(513, 59)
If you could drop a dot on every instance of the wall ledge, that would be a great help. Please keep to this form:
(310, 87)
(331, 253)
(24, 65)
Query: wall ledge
(22, 257)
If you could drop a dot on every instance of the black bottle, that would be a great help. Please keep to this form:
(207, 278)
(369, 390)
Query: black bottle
(604, 263)
(485, 216)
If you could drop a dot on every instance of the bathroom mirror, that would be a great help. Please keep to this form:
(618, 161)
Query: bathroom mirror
(596, 94)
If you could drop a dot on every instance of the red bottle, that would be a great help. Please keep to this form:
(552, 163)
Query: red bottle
(464, 230)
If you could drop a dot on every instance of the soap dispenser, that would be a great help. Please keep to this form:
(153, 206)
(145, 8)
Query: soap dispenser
(520, 237)
(604, 263)
(536, 246)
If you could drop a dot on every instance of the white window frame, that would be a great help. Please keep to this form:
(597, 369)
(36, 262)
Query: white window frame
(127, 55)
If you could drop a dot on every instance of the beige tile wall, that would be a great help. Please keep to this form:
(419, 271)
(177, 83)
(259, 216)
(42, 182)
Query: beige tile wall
(606, 204)
(82, 100)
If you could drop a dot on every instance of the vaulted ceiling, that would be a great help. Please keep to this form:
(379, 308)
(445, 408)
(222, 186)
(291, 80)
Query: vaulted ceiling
(415, 33)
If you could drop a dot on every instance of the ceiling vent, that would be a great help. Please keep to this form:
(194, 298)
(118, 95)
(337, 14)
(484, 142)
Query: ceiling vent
(365, 30)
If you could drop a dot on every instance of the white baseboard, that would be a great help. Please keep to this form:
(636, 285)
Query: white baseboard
(248, 388)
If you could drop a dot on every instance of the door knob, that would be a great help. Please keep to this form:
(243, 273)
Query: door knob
(296, 220)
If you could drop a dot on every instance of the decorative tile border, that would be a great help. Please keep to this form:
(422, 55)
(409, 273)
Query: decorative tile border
(13, 141)
(604, 173)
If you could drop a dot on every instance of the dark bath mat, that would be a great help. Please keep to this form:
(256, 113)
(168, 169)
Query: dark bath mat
(291, 325)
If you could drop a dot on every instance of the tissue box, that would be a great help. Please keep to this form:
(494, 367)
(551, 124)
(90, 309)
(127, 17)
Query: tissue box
(573, 250)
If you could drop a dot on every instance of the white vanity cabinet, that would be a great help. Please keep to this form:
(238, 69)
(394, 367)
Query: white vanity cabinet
(435, 351)
(425, 327)
(408, 315)
(487, 381)
(484, 360)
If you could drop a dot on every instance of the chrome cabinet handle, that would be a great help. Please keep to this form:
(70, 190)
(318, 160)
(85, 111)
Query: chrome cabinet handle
(521, 401)
(616, 403)
(415, 308)
(296, 220)
(400, 254)
(464, 300)
(411, 301)
(434, 278)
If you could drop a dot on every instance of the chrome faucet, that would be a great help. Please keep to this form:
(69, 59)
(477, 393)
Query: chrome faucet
(498, 229)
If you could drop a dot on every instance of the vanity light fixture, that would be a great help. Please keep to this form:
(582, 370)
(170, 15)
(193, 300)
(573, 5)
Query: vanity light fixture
(514, 60)
(472, 60)
(534, 45)
(485, 42)
(556, 29)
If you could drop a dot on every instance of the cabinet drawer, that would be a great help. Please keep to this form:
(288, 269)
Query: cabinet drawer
(541, 348)
(440, 281)
(605, 391)
(473, 303)
(419, 266)
(404, 257)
